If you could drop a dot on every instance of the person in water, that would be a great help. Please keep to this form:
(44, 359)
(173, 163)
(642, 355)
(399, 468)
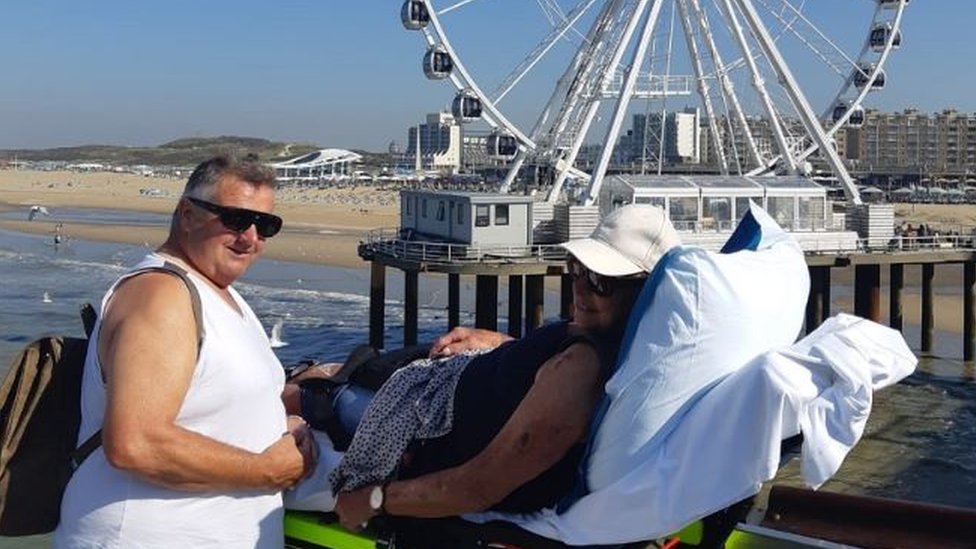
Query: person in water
(196, 445)
(502, 422)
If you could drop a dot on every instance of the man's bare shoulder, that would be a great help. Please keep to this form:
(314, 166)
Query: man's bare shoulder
(152, 294)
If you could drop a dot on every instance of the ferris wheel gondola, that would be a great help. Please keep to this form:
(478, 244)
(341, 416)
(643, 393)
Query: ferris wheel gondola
(466, 106)
(501, 145)
(610, 59)
(414, 15)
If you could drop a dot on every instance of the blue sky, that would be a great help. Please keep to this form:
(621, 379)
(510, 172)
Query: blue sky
(339, 73)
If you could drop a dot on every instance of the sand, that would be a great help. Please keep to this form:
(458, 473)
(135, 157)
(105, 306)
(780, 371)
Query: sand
(325, 226)
(321, 225)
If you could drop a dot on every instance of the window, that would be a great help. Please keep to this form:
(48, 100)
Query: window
(423, 208)
(481, 217)
(440, 211)
(407, 204)
(460, 215)
(501, 214)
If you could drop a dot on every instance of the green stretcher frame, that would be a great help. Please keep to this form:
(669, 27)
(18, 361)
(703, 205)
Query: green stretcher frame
(307, 530)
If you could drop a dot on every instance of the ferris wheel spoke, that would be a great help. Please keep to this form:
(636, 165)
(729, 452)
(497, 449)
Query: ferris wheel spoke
(541, 50)
(453, 7)
(758, 82)
(703, 88)
(842, 64)
(727, 89)
(812, 125)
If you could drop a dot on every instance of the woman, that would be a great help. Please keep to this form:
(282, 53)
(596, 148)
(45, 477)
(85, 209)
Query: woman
(516, 415)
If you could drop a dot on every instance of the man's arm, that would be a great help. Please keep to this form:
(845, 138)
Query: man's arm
(148, 351)
(553, 416)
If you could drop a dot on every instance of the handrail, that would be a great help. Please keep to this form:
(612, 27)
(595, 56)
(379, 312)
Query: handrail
(389, 242)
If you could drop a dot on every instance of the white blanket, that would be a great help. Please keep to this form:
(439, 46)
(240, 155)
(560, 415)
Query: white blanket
(728, 442)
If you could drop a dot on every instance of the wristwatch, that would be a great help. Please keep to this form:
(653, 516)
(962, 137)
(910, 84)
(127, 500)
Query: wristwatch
(376, 497)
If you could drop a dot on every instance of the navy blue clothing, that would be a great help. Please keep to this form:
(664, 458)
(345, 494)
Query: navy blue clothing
(490, 389)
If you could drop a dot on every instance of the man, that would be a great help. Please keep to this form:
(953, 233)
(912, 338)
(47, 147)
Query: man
(521, 412)
(196, 445)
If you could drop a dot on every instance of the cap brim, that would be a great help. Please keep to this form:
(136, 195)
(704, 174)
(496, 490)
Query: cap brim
(601, 258)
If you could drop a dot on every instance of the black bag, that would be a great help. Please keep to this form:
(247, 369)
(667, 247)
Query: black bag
(40, 414)
(39, 420)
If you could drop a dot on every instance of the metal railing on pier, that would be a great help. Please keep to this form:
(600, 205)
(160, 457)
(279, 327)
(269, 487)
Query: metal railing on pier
(389, 243)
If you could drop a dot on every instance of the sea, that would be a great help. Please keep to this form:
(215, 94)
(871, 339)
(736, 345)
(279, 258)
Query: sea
(920, 443)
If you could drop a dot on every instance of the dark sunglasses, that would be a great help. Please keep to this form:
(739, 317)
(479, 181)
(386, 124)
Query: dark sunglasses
(240, 219)
(599, 284)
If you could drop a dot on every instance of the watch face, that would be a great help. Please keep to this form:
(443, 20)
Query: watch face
(376, 498)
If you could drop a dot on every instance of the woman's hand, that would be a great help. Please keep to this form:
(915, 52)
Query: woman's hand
(353, 509)
(462, 339)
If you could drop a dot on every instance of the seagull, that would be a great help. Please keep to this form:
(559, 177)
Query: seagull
(46, 298)
(36, 210)
(276, 341)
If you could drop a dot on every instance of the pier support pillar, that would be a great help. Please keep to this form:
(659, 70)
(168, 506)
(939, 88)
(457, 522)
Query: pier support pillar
(928, 304)
(515, 306)
(377, 300)
(410, 305)
(566, 297)
(815, 301)
(486, 302)
(896, 290)
(867, 291)
(969, 311)
(453, 300)
(535, 293)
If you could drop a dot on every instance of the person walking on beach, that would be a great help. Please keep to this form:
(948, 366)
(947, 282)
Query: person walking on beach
(196, 446)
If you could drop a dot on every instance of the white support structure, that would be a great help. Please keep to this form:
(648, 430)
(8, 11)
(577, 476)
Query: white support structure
(799, 100)
(759, 85)
(728, 89)
(620, 111)
(702, 85)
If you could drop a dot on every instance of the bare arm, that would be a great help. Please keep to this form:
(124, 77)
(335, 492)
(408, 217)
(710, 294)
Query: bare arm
(552, 417)
(148, 352)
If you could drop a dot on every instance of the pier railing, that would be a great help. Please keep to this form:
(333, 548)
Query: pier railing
(389, 243)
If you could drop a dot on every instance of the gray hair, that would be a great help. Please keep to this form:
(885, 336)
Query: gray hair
(205, 177)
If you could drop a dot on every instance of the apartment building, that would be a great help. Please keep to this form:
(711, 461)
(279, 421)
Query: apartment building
(913, 142)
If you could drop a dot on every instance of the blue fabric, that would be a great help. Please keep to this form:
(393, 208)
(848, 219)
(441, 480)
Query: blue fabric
(747, 235)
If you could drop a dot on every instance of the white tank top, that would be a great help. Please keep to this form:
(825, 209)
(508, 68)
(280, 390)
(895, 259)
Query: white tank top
(234, 397)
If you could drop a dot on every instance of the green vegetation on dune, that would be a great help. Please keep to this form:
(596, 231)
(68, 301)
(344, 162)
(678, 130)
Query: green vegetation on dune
(181, 152)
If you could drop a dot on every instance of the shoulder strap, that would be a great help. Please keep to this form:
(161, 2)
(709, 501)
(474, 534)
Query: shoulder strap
(88, 317)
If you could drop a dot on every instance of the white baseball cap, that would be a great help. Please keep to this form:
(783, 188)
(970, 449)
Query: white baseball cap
(629, 240)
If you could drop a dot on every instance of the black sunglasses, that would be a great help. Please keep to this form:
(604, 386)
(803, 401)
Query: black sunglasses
(600, 284)
(240, 219)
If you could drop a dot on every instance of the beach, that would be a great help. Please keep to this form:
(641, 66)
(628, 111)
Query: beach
(322, 226)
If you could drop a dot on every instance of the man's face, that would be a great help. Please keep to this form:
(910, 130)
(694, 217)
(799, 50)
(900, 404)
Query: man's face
(220, 253)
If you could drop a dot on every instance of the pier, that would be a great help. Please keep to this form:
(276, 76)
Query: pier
(525, 270)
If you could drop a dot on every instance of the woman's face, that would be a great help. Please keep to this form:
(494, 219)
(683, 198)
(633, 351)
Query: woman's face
(602, 304)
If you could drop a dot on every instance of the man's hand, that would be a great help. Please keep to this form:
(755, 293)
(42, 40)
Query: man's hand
(305, 442)
(462, 339)
(285, 464)
(353, 509)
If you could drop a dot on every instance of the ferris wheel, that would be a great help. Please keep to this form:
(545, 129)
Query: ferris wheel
(744, 70)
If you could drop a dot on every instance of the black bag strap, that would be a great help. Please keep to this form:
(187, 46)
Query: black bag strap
(88, 317)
